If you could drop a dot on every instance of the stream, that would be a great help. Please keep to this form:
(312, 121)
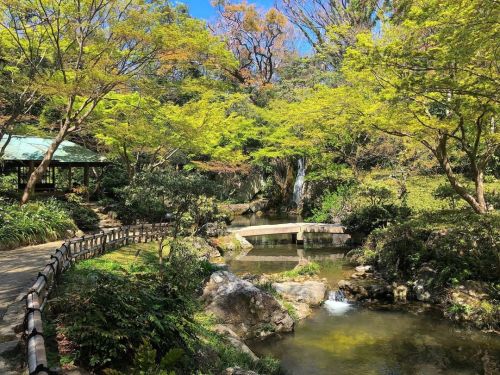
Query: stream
(344, 339)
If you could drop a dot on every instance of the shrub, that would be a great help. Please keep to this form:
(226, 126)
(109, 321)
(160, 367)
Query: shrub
(107, 311)
(84, 217)
(118, 315)
(376, 195)
(309, 269)
(446, 193)
(333, 205)
(458, 246)
(366, 219)
(187, 197)
(32, 223)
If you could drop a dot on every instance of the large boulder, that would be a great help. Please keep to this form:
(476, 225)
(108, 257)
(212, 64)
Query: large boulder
(244, 308)
(312, 293)
(367, 289)
(232, 244)
(233, 339)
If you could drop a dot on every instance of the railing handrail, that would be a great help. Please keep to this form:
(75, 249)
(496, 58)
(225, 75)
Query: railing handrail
(69, 252)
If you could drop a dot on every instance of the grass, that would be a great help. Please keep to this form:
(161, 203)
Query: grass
(421, 188)
(309, 269)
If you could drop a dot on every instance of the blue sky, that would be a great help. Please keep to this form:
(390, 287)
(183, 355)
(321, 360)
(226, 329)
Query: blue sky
(203, 9)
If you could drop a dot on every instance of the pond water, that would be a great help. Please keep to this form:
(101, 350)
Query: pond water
(344, 339)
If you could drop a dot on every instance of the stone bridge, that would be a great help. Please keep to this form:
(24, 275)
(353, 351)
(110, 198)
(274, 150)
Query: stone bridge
(296, 230)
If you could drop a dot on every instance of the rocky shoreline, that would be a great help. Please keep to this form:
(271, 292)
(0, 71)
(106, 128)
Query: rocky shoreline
(368, 287)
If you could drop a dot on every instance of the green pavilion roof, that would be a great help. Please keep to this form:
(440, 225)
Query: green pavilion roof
(25, 148)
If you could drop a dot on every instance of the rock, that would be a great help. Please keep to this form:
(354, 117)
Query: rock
(364, 269)
(236, 209)
(423, 285)
(344, 284)
(238, 371)
(302, 310)
(235, 341)
(214, 229)
(311, 292)
(244, 243)
(421, 294)
(231, 245)
(244, 308)
(259, 205)
(400, 293)
(472, 303)
(372, 289)
(202, 247)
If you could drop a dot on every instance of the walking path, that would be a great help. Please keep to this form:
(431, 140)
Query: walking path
(19, 269)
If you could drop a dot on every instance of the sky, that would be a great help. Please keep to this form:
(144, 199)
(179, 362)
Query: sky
(203, 9)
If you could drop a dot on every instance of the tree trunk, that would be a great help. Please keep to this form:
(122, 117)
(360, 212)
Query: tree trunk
(39, 171)
(479, 204)
(5, 144)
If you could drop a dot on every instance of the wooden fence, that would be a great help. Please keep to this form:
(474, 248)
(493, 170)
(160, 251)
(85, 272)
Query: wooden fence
(71, 251)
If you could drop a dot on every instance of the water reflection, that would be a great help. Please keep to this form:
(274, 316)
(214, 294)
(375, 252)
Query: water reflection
(374, 342)
(342, 340)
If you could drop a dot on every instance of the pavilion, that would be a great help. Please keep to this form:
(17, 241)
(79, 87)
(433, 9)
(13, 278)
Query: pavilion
(22, 154)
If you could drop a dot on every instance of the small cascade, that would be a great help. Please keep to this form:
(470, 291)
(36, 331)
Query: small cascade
(337, 295)
(337, 304)
(298, 187)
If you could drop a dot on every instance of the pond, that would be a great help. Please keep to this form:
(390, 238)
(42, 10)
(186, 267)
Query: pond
(343, 339)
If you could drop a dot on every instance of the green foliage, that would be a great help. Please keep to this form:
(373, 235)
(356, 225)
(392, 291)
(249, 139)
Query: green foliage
(145, 360)
(366, 219)
(309, 269)
(107, 310)
(334, 206)
(84, 217)
(447, 193)
(428, 78)
(33, 223)
(185, 196)
(120, 316)
(457, 251)
(8, 183)
(376, 195)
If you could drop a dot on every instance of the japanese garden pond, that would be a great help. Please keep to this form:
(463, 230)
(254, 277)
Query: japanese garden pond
(344, 339)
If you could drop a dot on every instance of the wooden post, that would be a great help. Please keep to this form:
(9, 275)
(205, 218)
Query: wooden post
(54, 177)
(86, 181)
(70, 178)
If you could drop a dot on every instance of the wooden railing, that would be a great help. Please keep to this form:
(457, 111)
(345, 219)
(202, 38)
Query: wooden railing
(71, 251)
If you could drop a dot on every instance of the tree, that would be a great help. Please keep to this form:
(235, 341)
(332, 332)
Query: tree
(133, 129)
(18, 91)
(331, 24)
(93, 48)
(434, 78)
(259, 41)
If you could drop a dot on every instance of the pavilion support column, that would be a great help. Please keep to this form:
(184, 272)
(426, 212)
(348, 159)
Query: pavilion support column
(86, 181)
(70, 178)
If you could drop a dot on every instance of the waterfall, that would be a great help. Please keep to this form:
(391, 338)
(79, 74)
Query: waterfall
(298, 187)
(337, 295)
(337, 304)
